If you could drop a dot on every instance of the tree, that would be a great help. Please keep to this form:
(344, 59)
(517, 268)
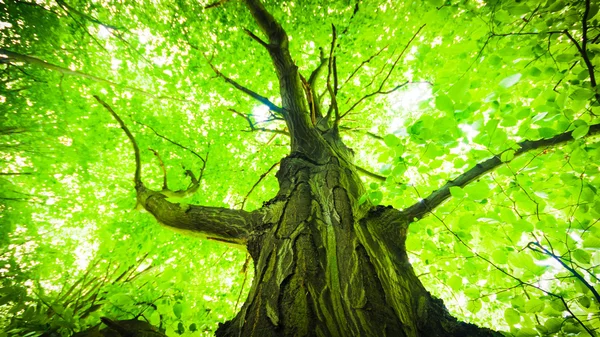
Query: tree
(497, 169)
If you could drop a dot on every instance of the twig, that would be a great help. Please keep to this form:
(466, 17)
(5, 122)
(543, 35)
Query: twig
(380, 89)
(262, 176)
(532, 246)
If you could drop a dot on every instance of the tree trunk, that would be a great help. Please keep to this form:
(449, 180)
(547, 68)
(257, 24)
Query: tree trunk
(327, 266)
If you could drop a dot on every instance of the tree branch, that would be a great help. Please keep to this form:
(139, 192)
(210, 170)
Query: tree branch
(256, 38)
(294, 104)
(68, 8)
(419, 209)
(262, 176)
(333, 71)
(41, 63)
(138, 166)
(370, 174)
(536, 246)
(216, 223)
(247, 91)
(368, 133)
(387, 76)
(362, 64)
(253, 126)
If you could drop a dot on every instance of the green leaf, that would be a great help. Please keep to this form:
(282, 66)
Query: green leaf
(582, 94)
(177, 309)
(500, 256)
(391, 140)
(591, 242)
(180, 328)
(375, 197)
(478, 191)
(580, 131)
(582, 256)
(509, 81)
(455, 282)
(457, 192)
(444, 103)
(566, 57)
(511, 316)
(527, 332)
(474, 306)
(553, 324)
(534, 305)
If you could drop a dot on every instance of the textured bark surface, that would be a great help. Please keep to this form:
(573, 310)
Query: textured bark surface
(326, 266)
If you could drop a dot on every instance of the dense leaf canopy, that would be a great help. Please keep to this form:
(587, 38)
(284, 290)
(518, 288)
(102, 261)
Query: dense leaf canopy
(426, 91)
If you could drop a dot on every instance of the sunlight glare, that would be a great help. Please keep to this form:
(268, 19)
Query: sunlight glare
(406, 103)
(261, 113)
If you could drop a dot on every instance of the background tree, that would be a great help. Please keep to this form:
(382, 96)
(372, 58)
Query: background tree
(489, 105)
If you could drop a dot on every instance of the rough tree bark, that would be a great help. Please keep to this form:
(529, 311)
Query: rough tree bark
(325, 265)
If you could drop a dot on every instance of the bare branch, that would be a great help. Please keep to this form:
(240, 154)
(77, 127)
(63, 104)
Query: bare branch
(69, 8)
(165, 185)
(378, 92)
(172, 141)
(262, 176)
(256, 38)
(368, 133)
(362, 64)
(380, 89)
(536, 246)
(370, 174)
(41, 63)
(247, 91)
(421, 208)
(333, 71)
(253, 126)
(215, 4)
(356, 8)
(295, 108)
(195, 183)
(138, 167)
(216, 223)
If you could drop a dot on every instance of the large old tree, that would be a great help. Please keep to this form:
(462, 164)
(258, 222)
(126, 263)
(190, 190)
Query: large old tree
(294, 124)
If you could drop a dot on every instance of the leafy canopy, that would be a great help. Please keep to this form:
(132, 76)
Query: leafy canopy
(516, 250)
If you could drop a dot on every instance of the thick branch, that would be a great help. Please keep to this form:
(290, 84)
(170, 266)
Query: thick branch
(216, 223)
(419, 209)
(256, 38)
(294, 104)
(41, 63)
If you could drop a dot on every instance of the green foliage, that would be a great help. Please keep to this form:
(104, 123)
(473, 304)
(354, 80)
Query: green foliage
(485, 75)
